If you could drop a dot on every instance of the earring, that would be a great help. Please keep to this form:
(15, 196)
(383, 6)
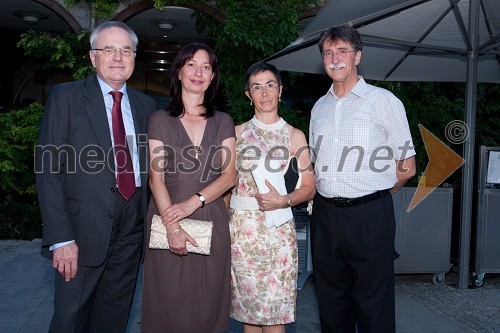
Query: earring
(179, 77)
(251, 102)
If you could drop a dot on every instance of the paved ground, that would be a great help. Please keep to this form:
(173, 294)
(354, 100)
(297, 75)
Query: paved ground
(26, 297)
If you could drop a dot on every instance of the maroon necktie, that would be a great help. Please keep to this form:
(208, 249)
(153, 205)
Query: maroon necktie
(125, 171)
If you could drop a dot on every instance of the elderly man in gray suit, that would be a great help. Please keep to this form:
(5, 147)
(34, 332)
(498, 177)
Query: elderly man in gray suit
(91, 165)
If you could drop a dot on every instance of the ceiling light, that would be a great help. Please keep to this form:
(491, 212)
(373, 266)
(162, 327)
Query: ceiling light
(30, 19)
(165, 26)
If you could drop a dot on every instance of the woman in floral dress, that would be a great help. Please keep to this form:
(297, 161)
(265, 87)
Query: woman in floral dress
(264, 259)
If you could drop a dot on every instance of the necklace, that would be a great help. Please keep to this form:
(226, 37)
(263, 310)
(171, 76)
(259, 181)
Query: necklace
(197, 150)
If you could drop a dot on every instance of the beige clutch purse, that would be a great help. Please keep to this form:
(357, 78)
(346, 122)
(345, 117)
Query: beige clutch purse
(201, 231)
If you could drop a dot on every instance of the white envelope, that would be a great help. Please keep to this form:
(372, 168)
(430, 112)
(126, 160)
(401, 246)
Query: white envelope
(273, 174)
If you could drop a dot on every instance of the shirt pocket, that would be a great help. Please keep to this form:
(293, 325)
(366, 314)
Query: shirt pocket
(358, 131)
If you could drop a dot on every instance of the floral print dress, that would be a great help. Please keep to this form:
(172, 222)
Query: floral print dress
(264, 262)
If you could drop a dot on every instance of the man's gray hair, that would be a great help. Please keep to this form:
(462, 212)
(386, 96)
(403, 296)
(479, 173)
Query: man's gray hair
(111, 24)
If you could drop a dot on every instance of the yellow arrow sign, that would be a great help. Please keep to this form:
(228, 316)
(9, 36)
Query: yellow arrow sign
(442, 163)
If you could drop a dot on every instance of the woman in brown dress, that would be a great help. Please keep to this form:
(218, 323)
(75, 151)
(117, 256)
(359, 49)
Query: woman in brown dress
(192, 149)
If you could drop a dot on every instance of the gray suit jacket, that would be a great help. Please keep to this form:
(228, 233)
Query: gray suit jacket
(74, 165)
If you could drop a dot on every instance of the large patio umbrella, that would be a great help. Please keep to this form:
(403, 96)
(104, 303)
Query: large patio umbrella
(416, 40)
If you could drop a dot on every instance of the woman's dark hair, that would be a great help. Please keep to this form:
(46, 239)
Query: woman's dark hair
(176, 106)
(344, 33)
(259, 68)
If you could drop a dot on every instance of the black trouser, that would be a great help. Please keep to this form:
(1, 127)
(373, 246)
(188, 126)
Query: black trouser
(352, 250)
(98, 299)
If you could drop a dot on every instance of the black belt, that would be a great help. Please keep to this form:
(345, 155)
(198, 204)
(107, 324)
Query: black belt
(349, 202)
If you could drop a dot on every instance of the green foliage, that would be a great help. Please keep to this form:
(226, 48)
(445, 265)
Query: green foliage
(20, 221)
(159, 4)
(17, 139)
(488, 115)
(103, 9)
(253, 30)
(68, 52)
(296, 118)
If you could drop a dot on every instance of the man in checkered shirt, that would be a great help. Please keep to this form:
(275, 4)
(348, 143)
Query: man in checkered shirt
(362, 152)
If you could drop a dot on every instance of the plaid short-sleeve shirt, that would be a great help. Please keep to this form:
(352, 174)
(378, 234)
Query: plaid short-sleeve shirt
(356, 139)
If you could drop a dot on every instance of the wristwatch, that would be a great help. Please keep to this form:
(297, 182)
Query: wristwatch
(202, 199)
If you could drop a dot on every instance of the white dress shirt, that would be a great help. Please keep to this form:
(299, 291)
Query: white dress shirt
(128, 122)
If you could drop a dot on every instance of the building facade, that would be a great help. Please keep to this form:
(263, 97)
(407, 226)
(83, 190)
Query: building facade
(161, 34)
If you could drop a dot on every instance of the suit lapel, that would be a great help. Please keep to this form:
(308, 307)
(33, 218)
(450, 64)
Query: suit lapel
(96, 111)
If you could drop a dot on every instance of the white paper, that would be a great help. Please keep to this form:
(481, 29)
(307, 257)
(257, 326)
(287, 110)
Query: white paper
(273, 174)
(493, 173)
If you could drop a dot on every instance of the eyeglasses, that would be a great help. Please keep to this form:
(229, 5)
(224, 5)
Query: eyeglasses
(340, 53)
(270, 86)
(111, 50)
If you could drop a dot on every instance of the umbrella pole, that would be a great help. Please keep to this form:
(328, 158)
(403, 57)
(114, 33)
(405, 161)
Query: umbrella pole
(468, 170)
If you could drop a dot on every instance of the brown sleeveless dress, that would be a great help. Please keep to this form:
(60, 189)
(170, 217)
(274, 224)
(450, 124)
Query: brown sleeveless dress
(189, 294)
